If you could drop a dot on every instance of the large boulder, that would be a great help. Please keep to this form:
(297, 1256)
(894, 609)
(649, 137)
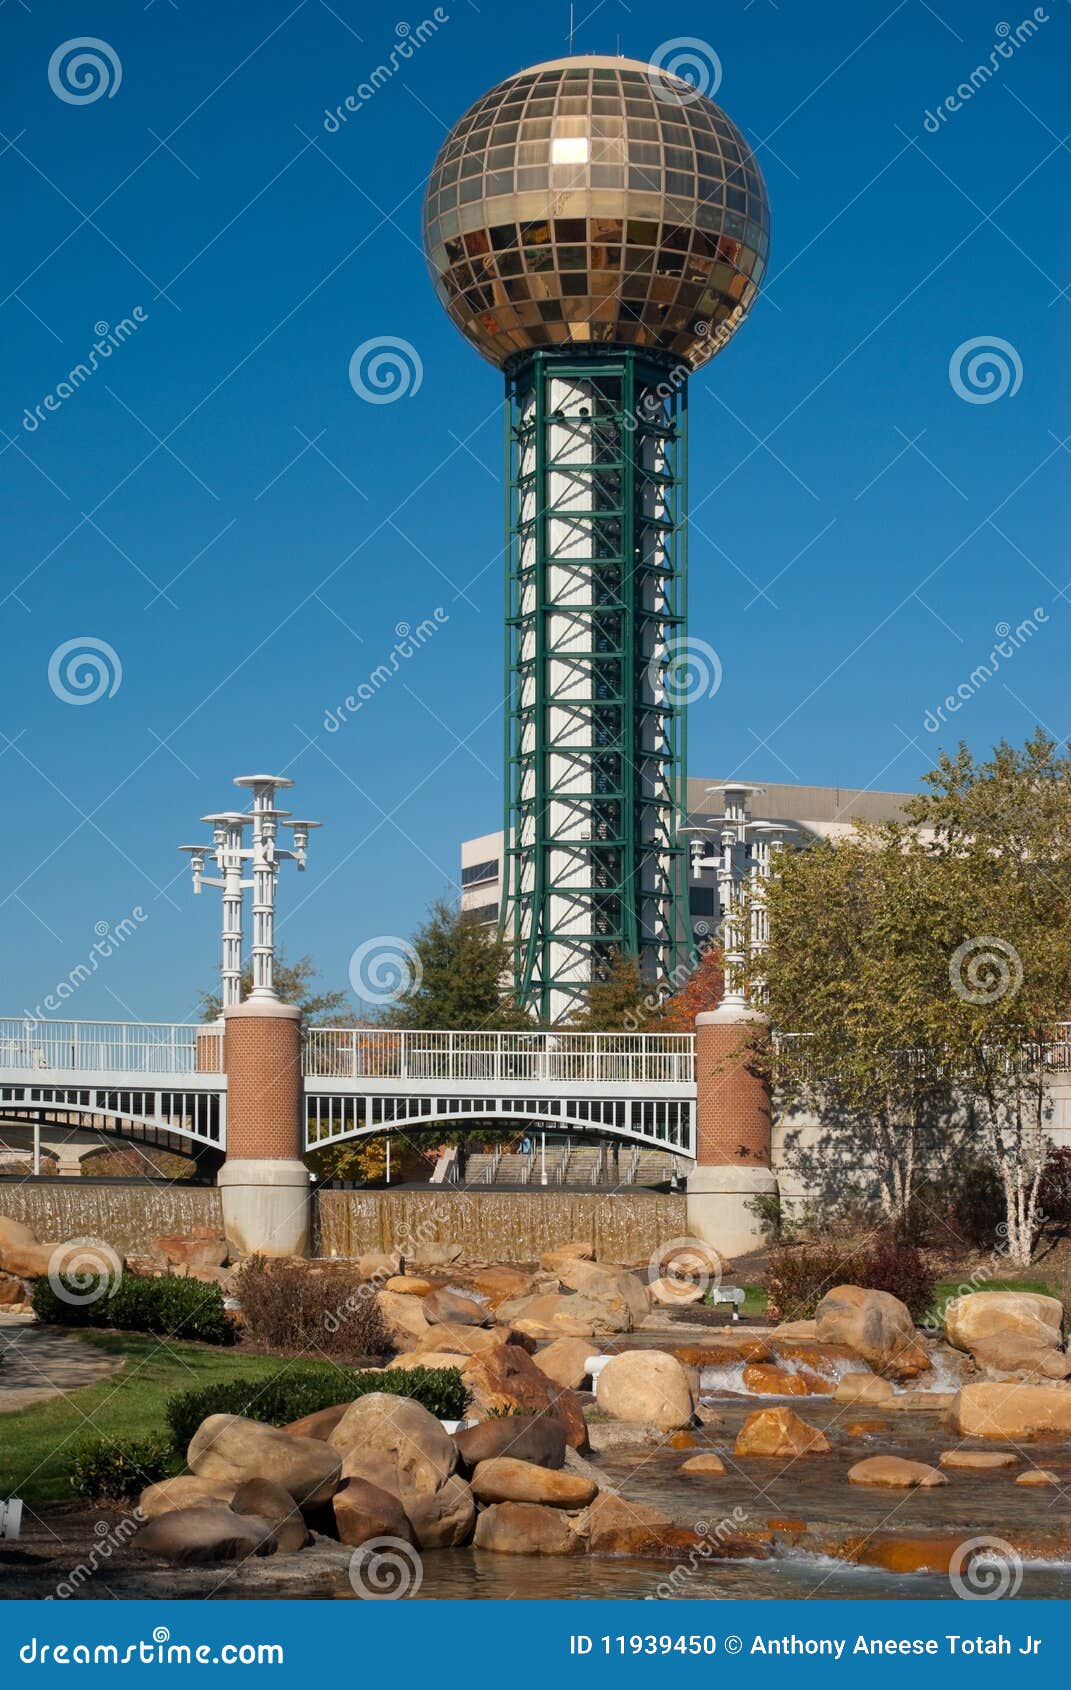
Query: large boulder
(380, 1264)
(1010, 1332)
(185, 1491)
(506, 1379)
(319, 1424)
(876, 1325)
(445, 1307)
(232, 1449)
(690, 1258)
(270, 1502)
(621, 1294)
(499, 1283)
(409, 1285)
(526, 1528)
(467, 1340)
(192, 1536)
(550, 1314)
(505, 1479)
(646, 1385)
(565, 1361)
(404, 1316)
(613, 1522)
(863, 1388)
(201, 1247)
(539, 1438)
(893, 1473)
(20, 1253)
(363, 1511)
(1012, 1411)
(763, 1379)
(433, 1255)
(394, 1443)
(580, 1250)
(669, 1292)
(779, 1432)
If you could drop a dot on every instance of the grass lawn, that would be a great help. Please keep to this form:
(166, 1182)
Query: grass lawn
(37, 1443)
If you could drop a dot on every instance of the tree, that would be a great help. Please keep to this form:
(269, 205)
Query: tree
(703, 990)
(618, 999)
(294, 982)
(461, 977)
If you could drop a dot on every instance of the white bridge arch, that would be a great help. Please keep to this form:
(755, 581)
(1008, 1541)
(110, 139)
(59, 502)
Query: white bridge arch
(138, 1079)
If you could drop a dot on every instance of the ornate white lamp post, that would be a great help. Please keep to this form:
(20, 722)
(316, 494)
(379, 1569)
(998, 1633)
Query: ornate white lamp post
(263, 854)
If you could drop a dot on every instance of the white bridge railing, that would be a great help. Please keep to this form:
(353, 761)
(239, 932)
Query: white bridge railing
(151, 1048)
(364, 1053)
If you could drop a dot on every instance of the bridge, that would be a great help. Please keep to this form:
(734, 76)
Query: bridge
(164, 1082)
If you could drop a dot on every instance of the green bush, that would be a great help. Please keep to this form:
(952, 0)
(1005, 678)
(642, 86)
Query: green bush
(118, 1469)
(172, 1307)
(289, 1395)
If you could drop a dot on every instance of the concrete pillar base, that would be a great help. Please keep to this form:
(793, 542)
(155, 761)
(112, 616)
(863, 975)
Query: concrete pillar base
(267, 1207)
(718, 1212)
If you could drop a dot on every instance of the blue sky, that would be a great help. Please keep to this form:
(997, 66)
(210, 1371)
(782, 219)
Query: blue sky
(218, 506)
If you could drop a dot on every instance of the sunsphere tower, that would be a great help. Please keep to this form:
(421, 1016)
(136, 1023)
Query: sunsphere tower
(598, 229)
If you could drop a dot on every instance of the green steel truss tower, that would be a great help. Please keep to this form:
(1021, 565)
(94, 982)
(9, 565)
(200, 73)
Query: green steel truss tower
(595, 607)
(598, 229)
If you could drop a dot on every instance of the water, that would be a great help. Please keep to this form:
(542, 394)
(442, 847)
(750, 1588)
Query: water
(496, 1226)
(129, 1216)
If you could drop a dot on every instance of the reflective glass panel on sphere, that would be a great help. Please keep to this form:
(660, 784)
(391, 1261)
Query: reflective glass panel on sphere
(596, 201)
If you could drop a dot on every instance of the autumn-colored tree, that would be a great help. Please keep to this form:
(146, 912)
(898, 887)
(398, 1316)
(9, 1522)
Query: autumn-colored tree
(702, 991)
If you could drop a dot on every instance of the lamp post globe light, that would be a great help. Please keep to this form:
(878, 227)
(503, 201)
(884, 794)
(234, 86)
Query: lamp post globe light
(598, 229)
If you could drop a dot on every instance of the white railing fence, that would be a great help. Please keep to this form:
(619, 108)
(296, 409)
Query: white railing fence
(364, 1053)
(109, 1047)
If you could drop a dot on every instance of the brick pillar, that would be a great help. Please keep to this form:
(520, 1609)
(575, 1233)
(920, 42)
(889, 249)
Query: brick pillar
(732, 1131)
(264, 1182)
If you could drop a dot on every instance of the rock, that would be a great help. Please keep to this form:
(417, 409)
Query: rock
(395, 1444)
(380, 1264)
(550, 1314)
(1012, 1354)
(990, 1314)
(525, 1528)
(722, 1352)
(20, 1253)
(1012, 1411)
(680, 1440)
(778, 1431)
(499, 1283)
(507, 1378)
(404, 1317)
(902, 1552)
(232, 1449)
(579, 1251)
(406, 1285)
(192, 1536)
(622, 1295)
(1038, 1476)
(538, 1438)
(690, 1258)
(434, 1255)
(646, 1385)
(12, 1290)
(796, 1331)
(862, 1388)
(876, 1326)
(363, 1511)
(468, 1340)
(505, 1479)
(891, 1471)
(444, 1307)
(427, 1358)
(708, 1462)
(319, 1424)
(185, 1491)
(763, 1379)
(708, 1416)
(671, 1293)
(266, 1501)
(612, 1520)
(920, 1402)
(565, 1361)
(201, 1247)
(865, 1428)
(977, 1458)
